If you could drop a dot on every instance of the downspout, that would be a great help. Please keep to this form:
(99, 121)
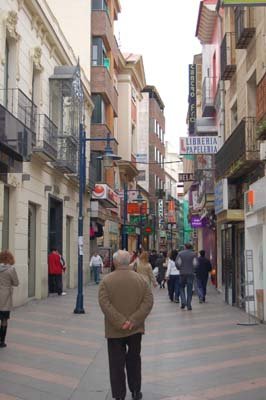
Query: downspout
(221, 87)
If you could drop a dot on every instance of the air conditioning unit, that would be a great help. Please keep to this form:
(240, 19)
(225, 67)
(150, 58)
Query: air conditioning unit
(263, 151)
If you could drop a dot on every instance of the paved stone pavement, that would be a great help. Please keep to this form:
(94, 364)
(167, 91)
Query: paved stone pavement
(202, 354)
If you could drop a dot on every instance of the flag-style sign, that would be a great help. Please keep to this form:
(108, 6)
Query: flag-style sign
(251, 3)
(199, 145)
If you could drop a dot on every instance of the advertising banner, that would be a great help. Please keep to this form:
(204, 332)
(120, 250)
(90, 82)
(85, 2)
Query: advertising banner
(171, 217)
(199, 145)
(252, 3)
(192, 98)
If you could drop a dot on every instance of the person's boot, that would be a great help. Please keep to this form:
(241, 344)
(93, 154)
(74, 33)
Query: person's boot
(136, 395)
(3, 330)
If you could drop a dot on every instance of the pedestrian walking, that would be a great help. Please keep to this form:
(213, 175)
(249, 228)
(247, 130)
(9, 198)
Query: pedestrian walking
(203, 269)
(145, 270)
(172, 276)
(186, 262)
(125, 300)
(96, 263)
(8, 279)
(161, 265)
(56, 267)
(152, 259)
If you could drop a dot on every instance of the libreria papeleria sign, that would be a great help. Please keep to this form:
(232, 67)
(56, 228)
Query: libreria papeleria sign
(243, 3)
(199, 145)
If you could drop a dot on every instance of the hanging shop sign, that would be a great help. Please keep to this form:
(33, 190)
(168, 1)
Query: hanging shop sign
(189, 177)
(251, 3)
(221, 196)
(135, 208)
(192, 98)
(197, 222)
(104, 193)
(141, 158)
(171, 217)
(199, 145)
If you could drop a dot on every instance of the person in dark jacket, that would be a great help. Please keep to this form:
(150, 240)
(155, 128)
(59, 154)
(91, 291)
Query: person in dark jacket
(186, 262)
(152, 259)
(56, 266)
(202, 274)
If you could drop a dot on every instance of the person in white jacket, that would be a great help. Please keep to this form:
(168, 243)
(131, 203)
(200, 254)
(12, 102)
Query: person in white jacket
(172, 276)
(96, 263)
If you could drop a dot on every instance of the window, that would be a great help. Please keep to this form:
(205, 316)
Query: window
(6, 74)
(99, 55)
(155, 125)
(234, 118)
(5, 229)
(99, 5)
(98, 115)
(141, 175)
(133, 94)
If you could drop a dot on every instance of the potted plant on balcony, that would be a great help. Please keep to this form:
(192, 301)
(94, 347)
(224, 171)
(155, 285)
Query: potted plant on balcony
(261, 129)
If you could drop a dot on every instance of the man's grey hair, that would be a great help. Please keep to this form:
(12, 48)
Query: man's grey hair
(121, 257)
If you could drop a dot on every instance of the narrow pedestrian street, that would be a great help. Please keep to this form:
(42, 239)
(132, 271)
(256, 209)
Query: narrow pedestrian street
(202, 354)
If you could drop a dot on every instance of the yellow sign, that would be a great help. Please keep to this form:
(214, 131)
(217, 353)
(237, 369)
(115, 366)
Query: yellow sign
(244, 2)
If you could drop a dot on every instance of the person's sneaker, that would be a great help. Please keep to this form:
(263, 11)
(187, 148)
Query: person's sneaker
(183, 306)
(63, 293)
(200, 301)
(189, 308)
(2, 344)
(136, 396)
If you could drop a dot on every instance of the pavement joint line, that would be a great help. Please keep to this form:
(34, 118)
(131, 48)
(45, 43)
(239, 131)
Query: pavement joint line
(192, 327)
(51, 354)
(39, 374)
(222, 391)
(4, 396)
(60, 326)
(54, 338)
(202, 350)
(196, 337)
(217, 366)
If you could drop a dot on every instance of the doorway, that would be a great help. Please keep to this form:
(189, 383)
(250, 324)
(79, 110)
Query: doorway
(240, 273)
(68, 249)
(31, 250)
(55, 224)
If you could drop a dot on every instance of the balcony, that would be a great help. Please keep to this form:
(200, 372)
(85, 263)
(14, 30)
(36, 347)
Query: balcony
(208, 105)
(15, 136)
(244, 26)
(67, 155)
(100, 131)
(240, 153)
(228, 56)
(46, 145)
(102, 83)
(205, 126)
(101, 26)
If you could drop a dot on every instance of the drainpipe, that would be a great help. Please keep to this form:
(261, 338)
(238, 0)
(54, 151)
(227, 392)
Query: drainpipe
(221, 88)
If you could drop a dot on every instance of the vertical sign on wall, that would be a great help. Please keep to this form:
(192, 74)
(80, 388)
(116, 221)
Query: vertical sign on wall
(192, 98)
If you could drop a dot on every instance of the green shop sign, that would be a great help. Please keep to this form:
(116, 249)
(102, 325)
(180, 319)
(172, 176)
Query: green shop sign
(130, 230)
(244, 3)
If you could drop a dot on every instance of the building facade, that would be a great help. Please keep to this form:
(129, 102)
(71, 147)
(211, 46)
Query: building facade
(39, 205)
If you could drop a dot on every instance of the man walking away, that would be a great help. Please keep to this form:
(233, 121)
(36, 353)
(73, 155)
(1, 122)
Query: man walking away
(96, 263)
(202, 274)
(186, 262)
(126, 300)
(152, 259)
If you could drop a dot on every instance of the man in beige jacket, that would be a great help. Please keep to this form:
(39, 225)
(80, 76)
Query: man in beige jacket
(126, 300)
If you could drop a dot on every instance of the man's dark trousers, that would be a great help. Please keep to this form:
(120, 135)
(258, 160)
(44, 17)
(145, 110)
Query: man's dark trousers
(186, 281)
(124, 353)
(202, 287)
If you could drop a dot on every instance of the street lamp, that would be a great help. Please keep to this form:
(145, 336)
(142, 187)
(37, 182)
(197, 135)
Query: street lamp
(107, 155)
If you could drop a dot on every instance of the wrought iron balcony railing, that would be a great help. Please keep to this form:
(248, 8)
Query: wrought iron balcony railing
(21, 106)
(67, 155)
(46, 144)
(228, 56)
(208, 106)
(245, 27)
(15, 135)
(240, 153)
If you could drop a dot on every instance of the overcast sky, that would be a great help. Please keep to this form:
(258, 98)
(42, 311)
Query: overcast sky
(164, 33)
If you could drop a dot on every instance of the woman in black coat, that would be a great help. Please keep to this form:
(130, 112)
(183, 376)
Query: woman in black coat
(160, 264)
